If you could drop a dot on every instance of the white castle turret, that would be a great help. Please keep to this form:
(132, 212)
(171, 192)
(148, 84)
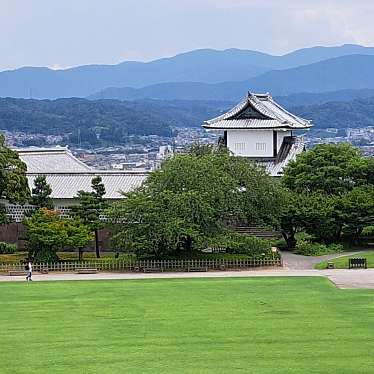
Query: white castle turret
(260, 129)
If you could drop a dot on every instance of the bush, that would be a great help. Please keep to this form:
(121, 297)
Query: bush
(235, 243)
(304, 236)
(6, 248)
(308, 248)
(280, 244)
(368, 231)
(335, 248)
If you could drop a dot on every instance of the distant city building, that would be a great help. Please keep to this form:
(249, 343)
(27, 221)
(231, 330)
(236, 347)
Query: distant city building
(163, 153)
(260, 129)
(67, 175)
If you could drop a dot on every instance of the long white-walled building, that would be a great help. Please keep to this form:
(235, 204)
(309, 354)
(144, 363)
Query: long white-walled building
(67, 175)
(260, 129)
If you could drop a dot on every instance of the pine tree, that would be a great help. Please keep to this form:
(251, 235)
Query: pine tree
(41, 193)
(91, 207)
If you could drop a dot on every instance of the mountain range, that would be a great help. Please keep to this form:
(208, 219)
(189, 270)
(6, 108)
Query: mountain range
(202, 75)
(340, 73)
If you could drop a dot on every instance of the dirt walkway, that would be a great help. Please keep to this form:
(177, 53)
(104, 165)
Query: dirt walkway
(341, 277)
(293, 261)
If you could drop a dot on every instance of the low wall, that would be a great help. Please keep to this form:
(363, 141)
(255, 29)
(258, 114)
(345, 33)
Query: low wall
(14, 233)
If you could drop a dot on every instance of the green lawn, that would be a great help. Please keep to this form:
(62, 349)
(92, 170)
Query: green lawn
(256, 325)
(342, 262)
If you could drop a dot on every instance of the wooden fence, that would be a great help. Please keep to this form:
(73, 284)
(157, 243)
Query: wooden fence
(150, 265)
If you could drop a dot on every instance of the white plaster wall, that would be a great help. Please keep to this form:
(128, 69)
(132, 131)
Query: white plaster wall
(281, 135)
(243, 142)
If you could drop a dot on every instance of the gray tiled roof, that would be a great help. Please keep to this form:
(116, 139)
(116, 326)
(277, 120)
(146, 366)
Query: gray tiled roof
(67, 185)
(275, 169)
(246, 124)
(269, 114)
(51, 160)
(67, 175)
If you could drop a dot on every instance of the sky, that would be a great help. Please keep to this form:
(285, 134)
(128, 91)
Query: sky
(66, 33)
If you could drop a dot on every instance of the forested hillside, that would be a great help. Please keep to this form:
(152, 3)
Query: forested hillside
(112, 121)
(356, 113)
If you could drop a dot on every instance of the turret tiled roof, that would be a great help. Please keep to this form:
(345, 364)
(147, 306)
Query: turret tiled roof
(257, 111)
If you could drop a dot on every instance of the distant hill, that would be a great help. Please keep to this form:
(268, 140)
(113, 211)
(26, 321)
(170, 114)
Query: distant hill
(301, 99)
(111, 121)
(106, 122)
(356, 113)
(341, 73)
(205, 66)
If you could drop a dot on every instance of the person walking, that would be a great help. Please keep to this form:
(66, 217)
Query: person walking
(29, 272)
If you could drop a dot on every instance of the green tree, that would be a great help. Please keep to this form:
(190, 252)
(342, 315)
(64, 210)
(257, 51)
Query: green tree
(330, 194)
(41, 193)
(354, 211)
(291, 219)
(4, 219)
(328, 168)
(193, 198)
(237, 188)
(91, 206)
(47, 233)
(13, 181)
(154, 225)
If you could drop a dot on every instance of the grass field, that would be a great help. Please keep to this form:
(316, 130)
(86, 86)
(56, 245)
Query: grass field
(239, 325)
(342, 262)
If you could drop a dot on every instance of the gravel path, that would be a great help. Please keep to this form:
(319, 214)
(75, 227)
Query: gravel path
(343, 278)
(297, 262)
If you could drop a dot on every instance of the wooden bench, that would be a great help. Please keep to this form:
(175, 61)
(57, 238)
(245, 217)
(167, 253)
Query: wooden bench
(197, 268)
(153, 270)
(16, 273)
(86, 270)
(358, 263)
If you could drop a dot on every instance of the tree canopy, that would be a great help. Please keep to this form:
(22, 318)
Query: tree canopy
(192, 199)
(47, 233)
(13, 181)
(330, 169)
(330, 194)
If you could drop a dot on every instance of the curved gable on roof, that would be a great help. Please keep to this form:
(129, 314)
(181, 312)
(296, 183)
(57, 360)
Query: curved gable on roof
(257, 111)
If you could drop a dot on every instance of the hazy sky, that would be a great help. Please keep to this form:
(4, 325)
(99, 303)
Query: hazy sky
(63, 33)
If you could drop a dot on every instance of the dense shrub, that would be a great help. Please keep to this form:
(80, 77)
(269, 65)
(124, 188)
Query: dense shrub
(304, 236)
(6, 248)
(235, 243)
(280, 244)
(368, 231)
(308, 248)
